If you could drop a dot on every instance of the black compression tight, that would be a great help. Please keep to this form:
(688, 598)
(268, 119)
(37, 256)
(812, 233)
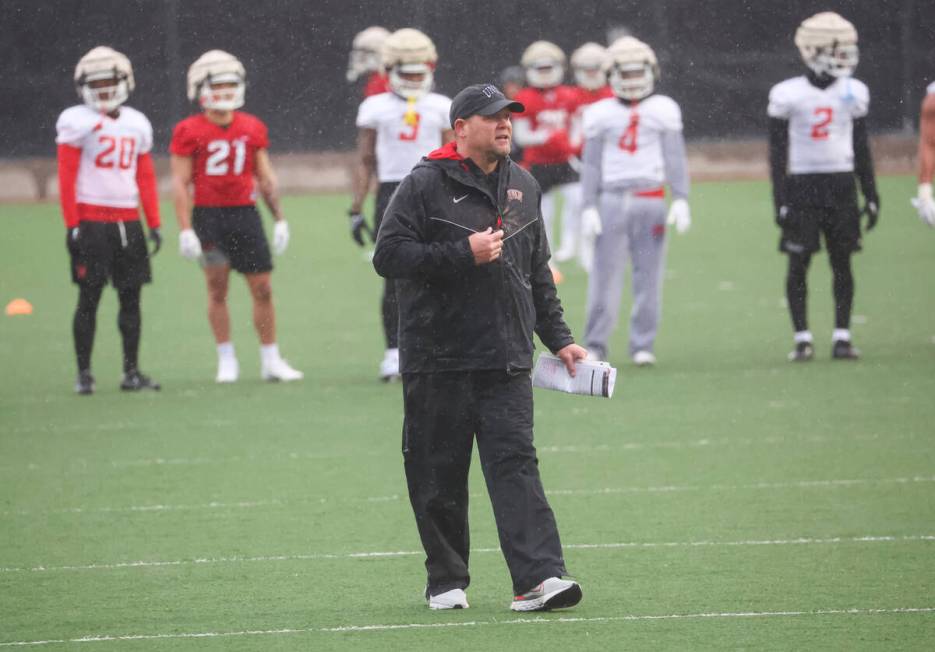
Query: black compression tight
(842, 288)
(128, 321)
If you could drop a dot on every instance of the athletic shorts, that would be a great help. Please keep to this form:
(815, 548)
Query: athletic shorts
(114, 251)
(553, 174)
(234, 236)
(821, 204)
(384, 195)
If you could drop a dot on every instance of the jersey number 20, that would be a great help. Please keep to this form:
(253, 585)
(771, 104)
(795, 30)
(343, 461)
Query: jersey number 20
(218, 163)
(117, 151)
(820, 129)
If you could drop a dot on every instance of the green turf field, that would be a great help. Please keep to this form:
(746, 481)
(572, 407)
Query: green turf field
(725, 499)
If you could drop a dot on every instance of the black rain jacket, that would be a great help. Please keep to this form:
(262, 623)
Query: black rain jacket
(455, 315)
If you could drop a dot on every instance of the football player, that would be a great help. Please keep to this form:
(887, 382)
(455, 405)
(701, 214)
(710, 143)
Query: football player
(395, 130)
(923, 201)
(219, 151)
(633, 147)
(587, 63)
(818, 144)
(366, 60)
(543, 133)
(105, 172)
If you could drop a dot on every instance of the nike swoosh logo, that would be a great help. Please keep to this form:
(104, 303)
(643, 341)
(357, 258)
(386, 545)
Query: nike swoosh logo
(458, 199)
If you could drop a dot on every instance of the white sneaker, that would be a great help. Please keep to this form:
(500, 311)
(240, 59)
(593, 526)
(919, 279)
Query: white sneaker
(553, 593)
(279, 369)
(644, 359)
(389, 366)
(453, 599)
(228, 370)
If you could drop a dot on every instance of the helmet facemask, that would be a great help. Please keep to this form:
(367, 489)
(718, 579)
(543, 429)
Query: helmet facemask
(545, 74)
(838, 60)
(222, 92)
(104, 98)
(590, 78)
(633, 81)
(412, 80)
(361, 62)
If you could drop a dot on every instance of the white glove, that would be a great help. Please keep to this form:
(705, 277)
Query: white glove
(679, 215)
(925, 204)
(189, 244)
(590, 222)
(280, 237)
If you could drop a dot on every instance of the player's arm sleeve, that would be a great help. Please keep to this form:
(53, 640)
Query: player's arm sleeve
(676, 162)
(550, 320)
(148, 188)
(403, 249)
(863, 162)
(366, 115)
(183, 142)
(592, 156)
(69, 160)
(927, 139)
(262, 136)
(778, 159)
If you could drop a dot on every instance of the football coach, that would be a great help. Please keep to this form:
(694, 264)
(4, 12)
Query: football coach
(464, 240)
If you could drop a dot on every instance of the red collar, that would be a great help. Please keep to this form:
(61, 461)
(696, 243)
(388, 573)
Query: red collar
(447, 151)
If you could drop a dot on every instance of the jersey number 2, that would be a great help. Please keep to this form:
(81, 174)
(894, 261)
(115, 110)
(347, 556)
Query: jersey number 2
(124, 156)
(820, 128)
(219, 151)
(628, 139)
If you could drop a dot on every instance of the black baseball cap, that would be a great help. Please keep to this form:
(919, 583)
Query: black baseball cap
(481, 99)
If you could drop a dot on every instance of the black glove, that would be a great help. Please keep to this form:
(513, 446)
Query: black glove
(359, 226)
(71, 240)
(783, 217)
(156, 238)
(872, 211)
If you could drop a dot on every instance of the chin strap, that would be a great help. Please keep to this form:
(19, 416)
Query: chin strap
(411, 118)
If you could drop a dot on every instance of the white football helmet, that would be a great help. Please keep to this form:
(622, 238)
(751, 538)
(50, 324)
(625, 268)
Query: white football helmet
(365, 52)
(544, 63)
(632, 68)
(587, 62)
(409, 52)
(828, 44)
(104, 63)
(217, 67)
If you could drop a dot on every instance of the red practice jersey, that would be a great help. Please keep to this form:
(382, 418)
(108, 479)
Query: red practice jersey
(550, 109)
(585, 98)
(223, 158)
(376, 84)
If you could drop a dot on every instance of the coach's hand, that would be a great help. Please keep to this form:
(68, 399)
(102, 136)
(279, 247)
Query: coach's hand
(679, 215)
(189, 244)
(280, 237)
(570, 355)
(486, 246)
(359, 227)
(872, 210)
(71, 240)
(156, 238)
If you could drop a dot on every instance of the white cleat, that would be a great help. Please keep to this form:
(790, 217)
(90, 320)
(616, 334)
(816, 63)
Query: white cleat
(453, 599)
(389, 366)
(279, 370)
(644, 359)
(228, 370)
(553, 593)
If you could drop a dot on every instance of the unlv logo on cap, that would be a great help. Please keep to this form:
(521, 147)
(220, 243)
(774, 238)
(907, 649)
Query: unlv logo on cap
(513, 193)
(490, 90)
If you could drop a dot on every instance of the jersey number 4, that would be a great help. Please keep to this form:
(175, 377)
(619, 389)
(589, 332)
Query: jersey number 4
(116, 151)
(820, 129)
(628, 140)
(219, 151)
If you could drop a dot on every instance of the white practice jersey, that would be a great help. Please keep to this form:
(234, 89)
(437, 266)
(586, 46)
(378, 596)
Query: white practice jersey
(632, 137)
(109, 151)
(821, 122)
(400, 145)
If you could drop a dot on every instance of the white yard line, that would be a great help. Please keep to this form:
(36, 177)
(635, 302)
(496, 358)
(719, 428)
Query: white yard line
(797, 541)
(605, 491)
(539, 620)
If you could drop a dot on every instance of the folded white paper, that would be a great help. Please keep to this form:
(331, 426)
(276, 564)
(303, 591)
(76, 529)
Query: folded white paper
(592, 377)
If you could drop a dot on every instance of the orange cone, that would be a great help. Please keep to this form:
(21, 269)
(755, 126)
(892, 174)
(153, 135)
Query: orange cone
(18, 307)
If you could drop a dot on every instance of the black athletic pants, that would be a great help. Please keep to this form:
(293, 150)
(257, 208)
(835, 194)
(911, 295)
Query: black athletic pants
(444, 412)
(129, 322)
(389, 306)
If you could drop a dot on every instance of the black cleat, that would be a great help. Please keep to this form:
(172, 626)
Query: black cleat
(803, 352)
(84, 385)
(844, 350)
(134, 381)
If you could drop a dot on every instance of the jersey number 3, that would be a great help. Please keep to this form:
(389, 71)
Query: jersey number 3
(411, 132)
(218, 163)
(820, 129)
(628, 139)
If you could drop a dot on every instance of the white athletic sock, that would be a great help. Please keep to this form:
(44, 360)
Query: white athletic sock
(269, 352)
(841, 334)
(803, 336)
(226, 350)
